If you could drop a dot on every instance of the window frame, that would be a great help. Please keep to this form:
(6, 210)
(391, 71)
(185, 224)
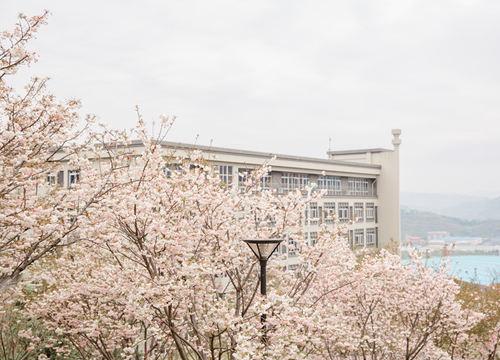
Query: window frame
(73, 174)
(292, 181)
(358, 186)
(359, 236)
(370, 211)
(225, 173)
(359, 210)
(51, 179)
(243, 176)
(371, 231)
(332, 184)
(343, 211)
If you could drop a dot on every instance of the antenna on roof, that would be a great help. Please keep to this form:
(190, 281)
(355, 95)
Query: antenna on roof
(330, 144)
(153, 128)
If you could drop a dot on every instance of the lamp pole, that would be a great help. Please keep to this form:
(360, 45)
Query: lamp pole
(263, 249)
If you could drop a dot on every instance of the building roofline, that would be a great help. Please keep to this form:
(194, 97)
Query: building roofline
(257, 154)
(360, 151)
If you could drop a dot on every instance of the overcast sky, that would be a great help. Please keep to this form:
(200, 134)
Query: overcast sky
(285, 76)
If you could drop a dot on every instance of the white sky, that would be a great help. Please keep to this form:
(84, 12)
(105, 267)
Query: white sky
(283, 76)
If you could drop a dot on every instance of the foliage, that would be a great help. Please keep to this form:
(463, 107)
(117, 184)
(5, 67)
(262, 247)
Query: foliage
(38, 135)
(23, 337)
(485, 336)
(143, 258)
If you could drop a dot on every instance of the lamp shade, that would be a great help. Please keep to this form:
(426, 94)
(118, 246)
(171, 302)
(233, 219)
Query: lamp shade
(263, 248)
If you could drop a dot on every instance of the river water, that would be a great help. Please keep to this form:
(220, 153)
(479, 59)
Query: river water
(481, 268)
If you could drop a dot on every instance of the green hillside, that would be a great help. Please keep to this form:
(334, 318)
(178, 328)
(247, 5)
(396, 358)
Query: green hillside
(418, 223)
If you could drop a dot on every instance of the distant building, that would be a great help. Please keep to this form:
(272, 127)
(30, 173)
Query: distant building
(495, 241)
(414, 240)
(436, 235)
(462, 240)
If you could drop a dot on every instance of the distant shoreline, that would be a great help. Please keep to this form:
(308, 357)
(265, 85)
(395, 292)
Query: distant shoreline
(433, 256)
(483, 269)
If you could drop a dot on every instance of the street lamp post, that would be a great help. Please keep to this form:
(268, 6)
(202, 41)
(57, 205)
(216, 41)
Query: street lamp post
(263, 249)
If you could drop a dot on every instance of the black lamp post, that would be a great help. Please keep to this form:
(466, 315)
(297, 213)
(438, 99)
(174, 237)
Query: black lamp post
(263, 249)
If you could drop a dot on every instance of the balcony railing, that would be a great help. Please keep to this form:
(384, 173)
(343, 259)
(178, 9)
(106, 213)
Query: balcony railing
(346, 191)
(342, 191)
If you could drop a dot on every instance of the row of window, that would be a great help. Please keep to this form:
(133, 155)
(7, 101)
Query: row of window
(73, 177)
(289, 181)
(244, 176)
(361, 211)
(331, 185)
(292, 181)
(357, 237)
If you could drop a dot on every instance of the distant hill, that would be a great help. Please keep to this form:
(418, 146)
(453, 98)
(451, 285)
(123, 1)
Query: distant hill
(458, 206)
(418, 223)
(487, 209)
(435, 202)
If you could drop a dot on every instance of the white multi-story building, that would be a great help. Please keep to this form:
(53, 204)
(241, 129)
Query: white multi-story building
(362, 184)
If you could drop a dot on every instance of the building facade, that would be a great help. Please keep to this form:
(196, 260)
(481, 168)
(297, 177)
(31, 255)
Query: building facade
(357, 184)
(361, 184)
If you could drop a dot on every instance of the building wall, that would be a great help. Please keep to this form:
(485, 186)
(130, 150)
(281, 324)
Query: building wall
(377, 170)
(389, 215)
(388, 191)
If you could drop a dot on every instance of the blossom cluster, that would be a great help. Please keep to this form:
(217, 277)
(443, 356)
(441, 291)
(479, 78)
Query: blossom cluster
(137, 260)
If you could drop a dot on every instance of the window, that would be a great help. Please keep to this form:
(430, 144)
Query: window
(172, 168)
(313, 236)
(51, 179)
(328, 211)
(371, 238)
(73, 177)
(293, 267)
(343, 212)
(292, 252)
(225, 173)
(276, 250)
(244, 175)
(265, 182)
(269, 221)
(359, 237)
(358, 186)
(60, 177)
(283, 249)
(292, 181)
(370, 211)
(358, 211)
(331, 184)
(313, 208)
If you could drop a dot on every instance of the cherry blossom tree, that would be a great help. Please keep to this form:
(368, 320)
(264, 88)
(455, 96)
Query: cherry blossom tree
(163, 273)
(483, 340)
(178, 276)
(37, 135)
(157, 268)
(403, 311)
